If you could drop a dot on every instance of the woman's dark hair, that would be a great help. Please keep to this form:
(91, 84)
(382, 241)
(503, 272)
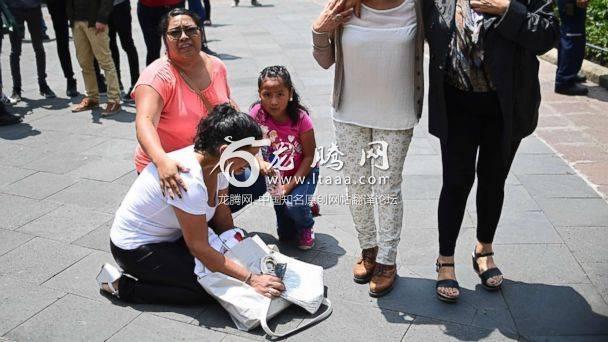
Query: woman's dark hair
(224, 121)
(294, 106)
(164, 22)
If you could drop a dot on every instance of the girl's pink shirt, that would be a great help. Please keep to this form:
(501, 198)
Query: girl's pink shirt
(182, 108)
(285, 137)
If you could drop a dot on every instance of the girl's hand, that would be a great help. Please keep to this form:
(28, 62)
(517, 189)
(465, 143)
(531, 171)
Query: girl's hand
(266, 168)
(170, 180)
(332, 17)
(267, 285)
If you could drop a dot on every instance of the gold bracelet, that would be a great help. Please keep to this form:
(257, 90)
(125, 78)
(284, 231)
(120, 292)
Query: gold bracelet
(248, 278)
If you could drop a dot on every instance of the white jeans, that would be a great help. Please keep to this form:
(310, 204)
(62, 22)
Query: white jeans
(351, 141)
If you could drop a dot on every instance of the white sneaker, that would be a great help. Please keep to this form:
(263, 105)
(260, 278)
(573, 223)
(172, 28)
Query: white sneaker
(6, 100)
(108, 275)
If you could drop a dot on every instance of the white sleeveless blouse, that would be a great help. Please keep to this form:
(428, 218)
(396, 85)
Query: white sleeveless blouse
(379, 68)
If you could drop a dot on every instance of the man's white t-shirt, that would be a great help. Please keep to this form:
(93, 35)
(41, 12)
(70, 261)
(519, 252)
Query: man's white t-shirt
(146, 216)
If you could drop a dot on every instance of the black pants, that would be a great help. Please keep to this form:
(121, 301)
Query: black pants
(474, 124)
(207, 4)
(33, 18)
(62, 33)
(572, 42)
(120, 24)
(149, 18)
(165, 273)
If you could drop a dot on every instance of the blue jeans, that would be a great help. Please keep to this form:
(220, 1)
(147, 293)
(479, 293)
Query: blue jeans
(295, 214)
(571, 43)
(256, 190)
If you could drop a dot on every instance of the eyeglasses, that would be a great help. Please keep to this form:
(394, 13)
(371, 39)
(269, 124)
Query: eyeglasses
(191, 31)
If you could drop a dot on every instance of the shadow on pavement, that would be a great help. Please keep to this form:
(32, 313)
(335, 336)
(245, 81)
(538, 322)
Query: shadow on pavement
(598, 93)
(536, 310)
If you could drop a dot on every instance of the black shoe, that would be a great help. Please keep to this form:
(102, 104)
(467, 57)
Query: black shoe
(47, 92)
(572, 89)
(15, 97)
(235, 3)
(580, 78)
(45, 37)
(7, 118)
(255, 3)
(208, 51)
(71, 90)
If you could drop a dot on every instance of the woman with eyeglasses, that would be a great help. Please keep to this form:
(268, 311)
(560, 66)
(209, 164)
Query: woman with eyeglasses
(172, 95)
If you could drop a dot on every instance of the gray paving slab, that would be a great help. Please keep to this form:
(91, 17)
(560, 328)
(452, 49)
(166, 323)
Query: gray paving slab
(106, 170)
(18, 155)
(101, 196)
(557, 186)
(97, 239)
(66, 223)
(39, 259)
(526, 227)
(598, 273)
(114, 148)
(79, 278)
(575, 309)
(426, 329)
(422, 187)
(575, 212)
(528, 263)
(74, 318)
(21, 300)
(40, 185)
(60, 162)
(10, 240)
(533, 145)
(348, 319)
(540, 164)
(10, 174)
(422, 165)
(422, 213)
(587, 244)
(148, 327)
(16, 211)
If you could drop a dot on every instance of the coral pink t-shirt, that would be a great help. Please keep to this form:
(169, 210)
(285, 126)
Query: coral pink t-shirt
(182, 108)
(285, 138)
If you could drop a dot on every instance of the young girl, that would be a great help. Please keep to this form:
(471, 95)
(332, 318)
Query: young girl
(286, 123)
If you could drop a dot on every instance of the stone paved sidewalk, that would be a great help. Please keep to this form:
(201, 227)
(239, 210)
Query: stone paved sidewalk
(62, 175)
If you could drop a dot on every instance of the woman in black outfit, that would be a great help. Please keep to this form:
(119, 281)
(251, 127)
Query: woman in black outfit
(485, 93)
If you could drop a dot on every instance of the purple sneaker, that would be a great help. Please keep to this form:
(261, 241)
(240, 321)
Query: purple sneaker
(307, 239)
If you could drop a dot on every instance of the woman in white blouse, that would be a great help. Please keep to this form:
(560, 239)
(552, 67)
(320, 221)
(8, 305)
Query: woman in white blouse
(377, 101)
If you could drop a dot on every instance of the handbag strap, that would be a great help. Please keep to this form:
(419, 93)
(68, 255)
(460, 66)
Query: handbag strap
(195, 89)
(324, 315)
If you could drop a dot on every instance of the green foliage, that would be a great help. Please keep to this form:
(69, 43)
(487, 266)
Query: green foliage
(597, 30)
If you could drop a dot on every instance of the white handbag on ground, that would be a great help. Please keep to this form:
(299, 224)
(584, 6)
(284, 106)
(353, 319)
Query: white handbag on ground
(249, 309)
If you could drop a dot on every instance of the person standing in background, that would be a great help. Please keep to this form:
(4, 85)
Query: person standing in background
(27, 11)
(89, 19)
(6, 118)
(571, 50)
(207, 19)
(196, 7)
(149, 13)
(62, 36)
(120, 23)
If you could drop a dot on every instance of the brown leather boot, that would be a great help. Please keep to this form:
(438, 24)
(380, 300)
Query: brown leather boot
(362, 272)
(382, 280)
(85, 104)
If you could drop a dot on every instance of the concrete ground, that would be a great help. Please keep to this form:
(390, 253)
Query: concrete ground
(62, 175)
